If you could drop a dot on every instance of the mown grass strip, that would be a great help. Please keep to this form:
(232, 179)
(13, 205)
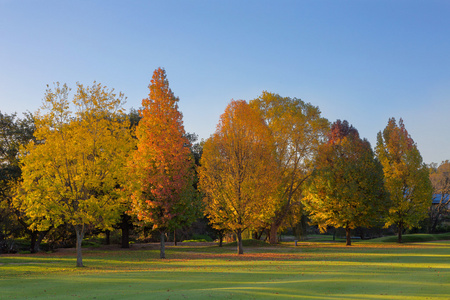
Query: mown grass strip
(309, 271)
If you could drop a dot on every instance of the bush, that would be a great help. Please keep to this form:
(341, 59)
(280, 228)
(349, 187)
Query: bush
(249, 243)
(204, 237)
(195, 241)
(91, 244)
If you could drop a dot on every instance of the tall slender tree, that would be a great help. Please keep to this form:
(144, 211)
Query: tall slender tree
(406, 177)
(238, 172)
(162, 166)
(71, 172)
(347, 190)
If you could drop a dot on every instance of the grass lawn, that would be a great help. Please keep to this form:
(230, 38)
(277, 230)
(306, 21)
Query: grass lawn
(309, 271)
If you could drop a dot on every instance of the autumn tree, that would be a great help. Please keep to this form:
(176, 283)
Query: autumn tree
(127, 221)
(71, 172)
(162, 166)
(406, 177)
(347, 189)
(238, 172)
(440, 180)
(297, 129)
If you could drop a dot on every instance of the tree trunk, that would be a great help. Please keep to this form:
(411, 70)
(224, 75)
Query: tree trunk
(347, 236)
(260, 234)
(162, 251)
(273, 233)
(125, 231)
(79, 230)
(33, 242)
(400, 231)
(300, 229)
(175, 237)
(108, 235)
(220, 238)
(36, 246)
(435, 222)
(304, 222)
(240, 249)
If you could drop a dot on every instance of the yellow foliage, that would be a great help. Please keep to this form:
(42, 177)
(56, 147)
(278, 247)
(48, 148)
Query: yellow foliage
(238, 172)
(70, 174)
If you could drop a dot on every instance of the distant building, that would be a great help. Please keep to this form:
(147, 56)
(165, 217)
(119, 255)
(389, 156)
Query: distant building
(441, 198)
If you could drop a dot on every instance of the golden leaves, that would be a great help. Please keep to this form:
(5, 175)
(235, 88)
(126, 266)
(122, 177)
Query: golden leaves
(78, 159)
(238, 169)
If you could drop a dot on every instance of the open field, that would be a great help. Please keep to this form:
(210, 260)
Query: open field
(309, 271)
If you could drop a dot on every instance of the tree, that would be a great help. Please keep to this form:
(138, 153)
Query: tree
(126, 220)
(406, 177)
(162, 166)
(347, 190)
(14, 133)
(298, 130)
(71, 173)
(440, 180)
(238, 171)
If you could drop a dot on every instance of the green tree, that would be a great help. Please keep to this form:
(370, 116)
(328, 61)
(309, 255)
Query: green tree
(406, 177)
(347, 190)
(14, 133)
(162, 166)
(298, 130)
(238, 171)
(71, 172)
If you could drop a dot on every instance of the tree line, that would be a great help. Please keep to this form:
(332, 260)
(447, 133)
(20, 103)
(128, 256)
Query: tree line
(271, 162)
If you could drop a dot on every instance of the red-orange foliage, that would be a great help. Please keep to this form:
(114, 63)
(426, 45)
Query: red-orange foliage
(162, 165)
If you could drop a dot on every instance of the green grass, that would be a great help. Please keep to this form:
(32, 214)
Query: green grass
(327, 271)
(413, 238)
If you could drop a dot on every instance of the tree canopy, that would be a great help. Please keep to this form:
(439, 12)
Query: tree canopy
(406, 177)
(347, 189)
(14, 133)
(297, 129)
(238, 172)
(161, 168)
(71, 172)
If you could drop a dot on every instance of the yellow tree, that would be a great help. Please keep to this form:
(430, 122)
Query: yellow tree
(162, 166)
(238, 172)
(70, 174)
(347, 188)
(298, 130)
(406, 177)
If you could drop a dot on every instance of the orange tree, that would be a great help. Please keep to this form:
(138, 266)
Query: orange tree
(161, 168)
(347, 189)
(238, 171)
(406, 177)
(298, 130)
(71, 172)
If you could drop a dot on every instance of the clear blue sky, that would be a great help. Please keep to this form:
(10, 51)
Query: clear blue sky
(362, 61)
